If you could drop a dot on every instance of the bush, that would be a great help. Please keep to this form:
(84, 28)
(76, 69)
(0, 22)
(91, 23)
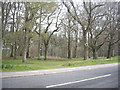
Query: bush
(7, 66)
(42, 57)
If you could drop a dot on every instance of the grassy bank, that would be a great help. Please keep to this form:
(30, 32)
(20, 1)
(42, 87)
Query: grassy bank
(33, 64)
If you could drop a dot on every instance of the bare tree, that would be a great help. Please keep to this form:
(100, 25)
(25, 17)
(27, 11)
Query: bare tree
(28, 27)
(25, 34)
(113, 30)
(118, 23)
(49, 35)
(68, 26)
(1, 30)
(75, 29)
(86, 28)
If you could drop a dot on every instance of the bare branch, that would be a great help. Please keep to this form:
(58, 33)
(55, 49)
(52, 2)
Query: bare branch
(103, 29)
(97, 6)
(85, 7)
(74, 16)
(115, 42)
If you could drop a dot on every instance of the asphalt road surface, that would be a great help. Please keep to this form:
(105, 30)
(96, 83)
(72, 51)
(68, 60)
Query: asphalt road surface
(106, 77)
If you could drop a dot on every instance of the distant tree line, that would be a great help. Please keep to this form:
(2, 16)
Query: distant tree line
(59, 29)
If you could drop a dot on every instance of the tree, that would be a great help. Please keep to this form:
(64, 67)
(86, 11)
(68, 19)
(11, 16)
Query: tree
(75, 29)
(68, 26)
(69, 37)
(95, 37)
(13, 11)
(113, 30)
(1, 30)
(48, 35)
(118, 23)
(66, 29)
(25, 34)
(78, 19)
(28, 27)
(6, 7)
(41, 16)
(86, 26)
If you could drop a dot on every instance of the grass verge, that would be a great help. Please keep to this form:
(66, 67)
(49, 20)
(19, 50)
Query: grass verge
(10, 65)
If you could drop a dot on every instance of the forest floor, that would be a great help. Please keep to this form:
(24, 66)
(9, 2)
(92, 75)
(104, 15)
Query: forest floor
(11, 65)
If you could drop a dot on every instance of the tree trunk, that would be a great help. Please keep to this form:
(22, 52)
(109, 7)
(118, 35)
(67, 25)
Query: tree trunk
(109, 51)
(46, 47)
(13, 25)
(76, 42)
(75, 52)
(85, 52)
(21, 53)
(24, 55)
(41, 52)
(89, 50)
(69, 50)
(24, 59)
(20, 49)
(112, 52)
(52, 51)
(15, 50)
(12, 51)
(85, 46)
(39, 49)
(69, 45)
(94, 54)
(28, 47)
(89, 53)
(27, 54)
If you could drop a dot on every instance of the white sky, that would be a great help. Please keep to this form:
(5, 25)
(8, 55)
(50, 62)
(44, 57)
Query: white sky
(59, 0)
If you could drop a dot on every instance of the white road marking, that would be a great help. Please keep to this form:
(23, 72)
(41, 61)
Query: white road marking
(50, 86)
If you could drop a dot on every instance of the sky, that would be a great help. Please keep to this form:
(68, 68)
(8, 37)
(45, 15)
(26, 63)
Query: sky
(59, 0)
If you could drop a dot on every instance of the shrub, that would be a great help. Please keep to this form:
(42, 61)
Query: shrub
(7, 66)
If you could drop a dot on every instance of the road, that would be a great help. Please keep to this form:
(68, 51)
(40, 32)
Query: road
(106, 77)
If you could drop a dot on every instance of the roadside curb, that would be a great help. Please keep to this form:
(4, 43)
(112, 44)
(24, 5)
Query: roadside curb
(52, 71)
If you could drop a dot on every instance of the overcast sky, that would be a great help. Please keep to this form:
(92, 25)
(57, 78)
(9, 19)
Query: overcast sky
(59, 0)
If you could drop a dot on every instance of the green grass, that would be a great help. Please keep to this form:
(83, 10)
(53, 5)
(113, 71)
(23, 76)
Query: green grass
(33, 64)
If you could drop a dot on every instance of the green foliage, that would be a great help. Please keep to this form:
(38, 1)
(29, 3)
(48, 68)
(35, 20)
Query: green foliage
(47, 7)
(13, 35)
(44, 35)
(29, 25)
(7, 66)
(31, 34)
(50, 6)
